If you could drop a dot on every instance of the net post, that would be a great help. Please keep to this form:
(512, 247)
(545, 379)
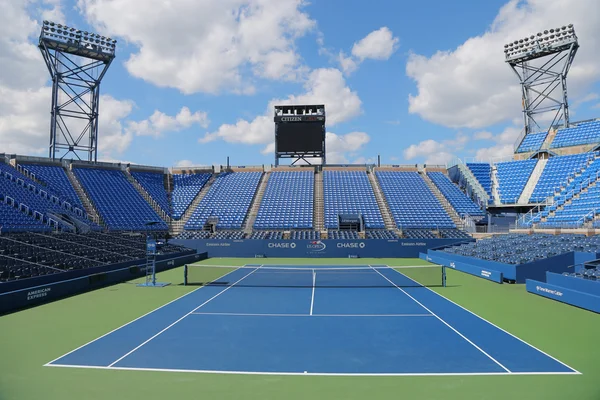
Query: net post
(185, 275)
(443, 276)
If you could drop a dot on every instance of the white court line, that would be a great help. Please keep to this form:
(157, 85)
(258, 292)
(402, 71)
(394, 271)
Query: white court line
(312, 297)
(445, 323)
(132, 321)
(310, 315)
(180, 319)
(313, 373)
(496, 326)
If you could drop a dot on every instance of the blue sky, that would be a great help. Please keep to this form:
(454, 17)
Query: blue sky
(194, 81)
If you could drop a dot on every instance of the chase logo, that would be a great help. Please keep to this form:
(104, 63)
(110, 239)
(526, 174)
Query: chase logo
(452, 265)
(316, 245)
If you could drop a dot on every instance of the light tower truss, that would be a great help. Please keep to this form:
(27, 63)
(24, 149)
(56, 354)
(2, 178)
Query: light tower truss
(77, 61)
(542, 62)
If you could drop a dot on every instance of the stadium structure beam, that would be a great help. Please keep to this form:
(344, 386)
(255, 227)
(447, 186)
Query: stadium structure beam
(542, 62)
(77, 61)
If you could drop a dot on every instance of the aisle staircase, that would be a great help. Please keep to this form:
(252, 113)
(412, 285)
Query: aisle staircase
(90, 210)
(319, 203)
(533, 180)
(177, 225)
(495, 186)
(443, 201)
(149, 199)
(384, 207)
(256, 201)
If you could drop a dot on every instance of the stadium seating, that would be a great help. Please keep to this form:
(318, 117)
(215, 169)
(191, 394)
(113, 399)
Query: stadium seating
(532, 142)
(185, 188)
(411, 202)
(56, 179)
(304, 235)
(418, 234)
(380, 234)
(33, 200)
(460, 201)
(582, 133)
(13, 220)
(228, 199)
(342, 235)
(154, 184)
(483, 174)
(127, 211)
(512, 178)
(270, 235)
(350, 192)
(556, 172)
(29, 254)
(287, 202)
(521, 249)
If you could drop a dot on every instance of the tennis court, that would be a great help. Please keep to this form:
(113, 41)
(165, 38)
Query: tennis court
(316, 320)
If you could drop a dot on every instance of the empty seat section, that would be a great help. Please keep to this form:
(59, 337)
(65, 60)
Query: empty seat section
(185, 189)
(512, 178)
(228, 199)
(555, 173)
(154, 184)
(411, 202)
(483, 174)
(13, 220)
(532, 142)
(350, 192)
(118, 202)
(56, 178)
(460, 201)
(288, 201)
(520, 248)
(582, 133)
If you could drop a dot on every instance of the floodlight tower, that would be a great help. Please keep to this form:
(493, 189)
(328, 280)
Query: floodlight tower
(542, 62)
(77, 61)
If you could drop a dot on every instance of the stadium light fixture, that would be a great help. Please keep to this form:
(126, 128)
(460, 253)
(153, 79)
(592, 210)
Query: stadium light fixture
(549, 41)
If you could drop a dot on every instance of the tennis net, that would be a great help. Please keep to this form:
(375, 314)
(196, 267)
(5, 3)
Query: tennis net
(315, 276)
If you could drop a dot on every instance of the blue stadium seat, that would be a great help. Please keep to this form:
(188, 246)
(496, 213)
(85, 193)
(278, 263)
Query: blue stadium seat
(288, 201)
(154, 184)
(185, 189)
(228, 199)
(350, 192)
(56, 179)
(582, 133)
(118, 202)
(483, 174)
(512, 178)
(532, 142)
(411, 202)
(460, 201)
(555, 173)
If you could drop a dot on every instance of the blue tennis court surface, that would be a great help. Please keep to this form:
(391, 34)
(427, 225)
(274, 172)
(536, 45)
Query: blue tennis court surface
(372, 321)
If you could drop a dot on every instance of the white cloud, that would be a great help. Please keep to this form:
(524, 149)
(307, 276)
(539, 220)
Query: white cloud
(377, 45)
(112, 137)
(482, 135)
(348, 64)
(471, 86)
(323, 86)
(434, 152)
(160, 123)
(338, 146)
(504, 146)
(206, 46)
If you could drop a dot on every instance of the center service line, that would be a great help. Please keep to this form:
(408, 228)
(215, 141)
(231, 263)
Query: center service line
(312, 297)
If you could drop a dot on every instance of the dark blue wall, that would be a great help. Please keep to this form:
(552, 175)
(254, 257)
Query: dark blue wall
(372, 248)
